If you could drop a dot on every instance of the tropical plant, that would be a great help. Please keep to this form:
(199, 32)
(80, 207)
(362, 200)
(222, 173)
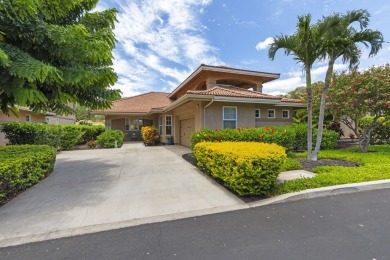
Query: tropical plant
(304, 44)
(340, 40)
(56, 52)
(356, 94)
(149, 134)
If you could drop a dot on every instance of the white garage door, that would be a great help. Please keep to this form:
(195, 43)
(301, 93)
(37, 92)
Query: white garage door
(186, 129)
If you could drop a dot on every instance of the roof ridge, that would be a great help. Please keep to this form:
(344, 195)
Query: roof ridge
(143, 94)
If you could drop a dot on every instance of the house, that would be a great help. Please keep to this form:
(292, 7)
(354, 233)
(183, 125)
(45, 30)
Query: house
(26, 115)
(214, 97)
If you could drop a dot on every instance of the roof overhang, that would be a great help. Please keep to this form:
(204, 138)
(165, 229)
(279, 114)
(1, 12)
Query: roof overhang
(202, 67)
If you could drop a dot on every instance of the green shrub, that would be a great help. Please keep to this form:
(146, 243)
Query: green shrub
(381, 134)
(247, 168)
(293, 138)
(108, 138)
(89, 132)
(290, 165)
(21, 166)
(70, 136)
(32, 133)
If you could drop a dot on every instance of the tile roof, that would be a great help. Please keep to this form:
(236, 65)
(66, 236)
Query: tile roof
(231, 91)
(139, 104)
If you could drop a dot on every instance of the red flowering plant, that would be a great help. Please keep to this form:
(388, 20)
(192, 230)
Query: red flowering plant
(354, 95)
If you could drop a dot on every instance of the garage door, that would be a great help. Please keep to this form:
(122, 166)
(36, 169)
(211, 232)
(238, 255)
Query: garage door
(186, 129)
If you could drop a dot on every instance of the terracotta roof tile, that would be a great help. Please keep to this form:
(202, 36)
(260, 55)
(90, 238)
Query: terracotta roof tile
(139, 104)
(231, 91)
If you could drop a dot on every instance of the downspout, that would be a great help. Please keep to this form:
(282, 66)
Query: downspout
(204, 112)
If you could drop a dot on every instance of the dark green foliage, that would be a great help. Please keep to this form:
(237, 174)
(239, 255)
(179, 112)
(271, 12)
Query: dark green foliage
(21, 166)
(70, 136)
(56, 52)
(59, 136)
(293, 138)
(381, 134)
(108, 138)
(90, 132)
(32, 133)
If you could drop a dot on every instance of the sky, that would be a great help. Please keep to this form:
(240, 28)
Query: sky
(161, 42)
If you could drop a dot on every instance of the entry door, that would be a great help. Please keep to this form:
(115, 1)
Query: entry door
(186, 129)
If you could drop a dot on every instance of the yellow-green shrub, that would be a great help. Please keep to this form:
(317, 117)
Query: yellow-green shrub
(21, 166)
(247, 168)
(149, 134)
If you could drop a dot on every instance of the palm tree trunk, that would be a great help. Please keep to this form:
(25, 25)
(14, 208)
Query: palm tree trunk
(309, 114)
(328, 78)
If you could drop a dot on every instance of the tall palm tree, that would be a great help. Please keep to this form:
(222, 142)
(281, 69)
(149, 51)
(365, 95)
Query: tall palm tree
(304, 45)
(340, 40)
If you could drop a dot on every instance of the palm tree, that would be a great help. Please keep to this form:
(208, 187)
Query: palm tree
(304, 44)
(340, 39)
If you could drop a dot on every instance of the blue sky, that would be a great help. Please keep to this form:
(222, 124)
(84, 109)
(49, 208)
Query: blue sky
(160, 42)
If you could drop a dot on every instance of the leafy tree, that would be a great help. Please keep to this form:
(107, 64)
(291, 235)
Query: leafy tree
(304, 45)
(340, 40)
(357, 94)
(83, 114)
(56, 52)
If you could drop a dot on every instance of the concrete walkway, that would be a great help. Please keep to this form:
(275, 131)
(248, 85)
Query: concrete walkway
(91, 190)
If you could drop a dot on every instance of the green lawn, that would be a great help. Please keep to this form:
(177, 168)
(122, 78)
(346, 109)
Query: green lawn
(375, 166)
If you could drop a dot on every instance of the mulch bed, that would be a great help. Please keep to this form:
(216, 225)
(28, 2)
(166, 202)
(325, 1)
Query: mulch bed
(309, 165)
(306, 164)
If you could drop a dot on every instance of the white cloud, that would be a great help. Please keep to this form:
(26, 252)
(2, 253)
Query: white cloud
(264, 44)
(160, 40)
(282, 86)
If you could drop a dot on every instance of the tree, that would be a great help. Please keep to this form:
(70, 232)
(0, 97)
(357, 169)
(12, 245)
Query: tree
(56, 52)
(304, 44)
(83, 114)
(357, 94)
(340, 40)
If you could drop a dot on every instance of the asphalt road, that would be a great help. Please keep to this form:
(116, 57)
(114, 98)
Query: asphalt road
(347, 226)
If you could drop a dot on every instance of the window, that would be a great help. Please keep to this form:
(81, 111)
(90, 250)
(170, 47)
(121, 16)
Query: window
(57, 121)
(286, 114)
(257, 113)
(271, 113)
(160, 125)
(168, 125)
(133, 124)
(47, 120)
(229, 117)
(28, 118)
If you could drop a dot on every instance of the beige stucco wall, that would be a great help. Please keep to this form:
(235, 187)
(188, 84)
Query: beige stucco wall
(277, 121)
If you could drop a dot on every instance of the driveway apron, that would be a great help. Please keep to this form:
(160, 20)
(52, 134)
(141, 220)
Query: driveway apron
(94, 187)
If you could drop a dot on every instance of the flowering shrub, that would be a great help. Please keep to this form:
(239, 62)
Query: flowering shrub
(247, 168)
(149, 134)
(290, 137)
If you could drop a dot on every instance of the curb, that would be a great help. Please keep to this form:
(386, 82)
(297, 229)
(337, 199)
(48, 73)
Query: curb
(306, 194)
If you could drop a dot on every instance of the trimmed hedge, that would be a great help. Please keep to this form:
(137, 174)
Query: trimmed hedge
(247, 168)
(108, 138)
(32, 133)
(59, 136)
(293, 138)
(22, 166)
(70, 136)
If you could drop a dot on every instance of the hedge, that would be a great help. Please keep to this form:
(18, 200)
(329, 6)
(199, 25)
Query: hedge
(32, 133)
(293, 138)
(247, 168)
(22, 166)
(59, 136)
(108, 138)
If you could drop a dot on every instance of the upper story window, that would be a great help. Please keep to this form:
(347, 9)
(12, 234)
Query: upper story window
(286, 114)
(271, 113)
(257, 113)
(168, 125)
(229, 117)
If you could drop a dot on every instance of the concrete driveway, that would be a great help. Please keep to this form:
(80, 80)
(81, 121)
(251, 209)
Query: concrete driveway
(96, 190)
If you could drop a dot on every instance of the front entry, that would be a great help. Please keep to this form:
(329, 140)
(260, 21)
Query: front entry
(186, 129)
